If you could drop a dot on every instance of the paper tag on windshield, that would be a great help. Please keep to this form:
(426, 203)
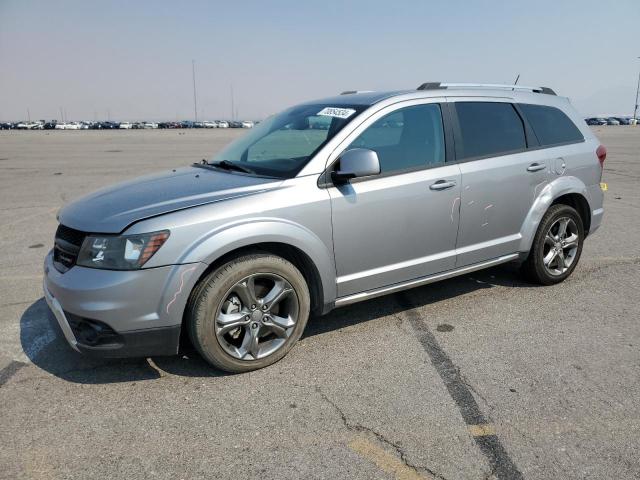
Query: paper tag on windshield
(336, 112)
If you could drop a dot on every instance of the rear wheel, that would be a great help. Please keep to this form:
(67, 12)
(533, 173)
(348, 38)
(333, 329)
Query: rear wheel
(556, 247)
(249, 312)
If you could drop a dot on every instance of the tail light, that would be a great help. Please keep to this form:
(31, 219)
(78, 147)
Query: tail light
(601, 153)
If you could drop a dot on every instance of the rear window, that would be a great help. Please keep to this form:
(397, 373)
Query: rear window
(551, 125)
(488, 129)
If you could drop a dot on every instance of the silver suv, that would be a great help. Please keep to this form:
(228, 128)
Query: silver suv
(328, 203)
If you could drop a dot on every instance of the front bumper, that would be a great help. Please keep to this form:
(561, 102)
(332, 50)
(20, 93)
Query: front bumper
(120, 313)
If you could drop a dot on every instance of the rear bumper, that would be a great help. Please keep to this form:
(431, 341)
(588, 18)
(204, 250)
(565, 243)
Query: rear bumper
(595, 197)
(113, 314)
(596, 219)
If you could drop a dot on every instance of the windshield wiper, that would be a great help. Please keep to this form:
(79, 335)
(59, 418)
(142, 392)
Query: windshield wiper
(228, 165)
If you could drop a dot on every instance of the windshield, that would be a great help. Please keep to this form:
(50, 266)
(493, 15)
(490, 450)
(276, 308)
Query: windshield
(282, 144)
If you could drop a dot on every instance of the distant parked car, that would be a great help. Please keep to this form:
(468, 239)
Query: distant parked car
(247, 124)
(223, 124)
(597, 121)
(29, 126)
(169, 125)
(623, 120)
(150, 125)
(612, 121)
(125, 126)
(106, 125)
(235, 124)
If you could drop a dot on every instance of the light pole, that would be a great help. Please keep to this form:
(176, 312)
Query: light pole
(195, 103)
(635, 108)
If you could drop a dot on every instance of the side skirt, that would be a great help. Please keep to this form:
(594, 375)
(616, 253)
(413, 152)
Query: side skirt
(358, 297)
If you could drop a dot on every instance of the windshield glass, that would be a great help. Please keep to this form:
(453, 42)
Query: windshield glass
(282, 144)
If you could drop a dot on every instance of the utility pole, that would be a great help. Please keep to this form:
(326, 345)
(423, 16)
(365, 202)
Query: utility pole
(232, 105)
(195, 103)
(61, 116)
(635, 108)
(29, 115)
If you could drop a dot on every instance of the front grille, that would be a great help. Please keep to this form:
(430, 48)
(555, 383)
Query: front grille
(74, 237)
(66, 247)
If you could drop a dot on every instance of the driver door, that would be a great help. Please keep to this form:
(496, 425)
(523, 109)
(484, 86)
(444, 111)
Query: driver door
(401, 224)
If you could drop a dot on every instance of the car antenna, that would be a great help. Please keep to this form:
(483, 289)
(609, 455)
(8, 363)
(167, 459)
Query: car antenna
(516, 82)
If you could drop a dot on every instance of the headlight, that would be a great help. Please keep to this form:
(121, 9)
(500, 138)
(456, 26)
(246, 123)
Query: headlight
(126, 252)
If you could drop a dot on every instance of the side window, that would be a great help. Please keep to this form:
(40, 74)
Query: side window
(488, 128)
(551, 125)
(409, 137)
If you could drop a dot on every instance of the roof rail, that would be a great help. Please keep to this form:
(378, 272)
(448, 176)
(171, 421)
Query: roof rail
(351, 92)
(439, 86)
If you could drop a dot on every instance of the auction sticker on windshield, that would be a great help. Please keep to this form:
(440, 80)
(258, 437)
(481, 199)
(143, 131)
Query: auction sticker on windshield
(336, 112)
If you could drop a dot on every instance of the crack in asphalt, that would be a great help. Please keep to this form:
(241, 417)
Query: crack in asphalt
(621, 174)
(502, 466)
(473, 389)
(381, 438)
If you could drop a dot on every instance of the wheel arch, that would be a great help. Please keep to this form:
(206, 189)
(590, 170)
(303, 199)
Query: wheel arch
(580, 204)
(296, 256)
(291, 241)
(567, 190)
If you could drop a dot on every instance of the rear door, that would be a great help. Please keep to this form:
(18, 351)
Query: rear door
(500, 178)
(400, 224)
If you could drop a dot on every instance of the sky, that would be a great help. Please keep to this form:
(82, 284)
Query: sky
(133, 60)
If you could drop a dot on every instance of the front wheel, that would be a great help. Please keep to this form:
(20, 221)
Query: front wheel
(556, 247)
(249, 312)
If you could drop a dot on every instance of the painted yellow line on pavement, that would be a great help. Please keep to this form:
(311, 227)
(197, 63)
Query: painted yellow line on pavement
(482, 430)
(384, 460)
(604, 187)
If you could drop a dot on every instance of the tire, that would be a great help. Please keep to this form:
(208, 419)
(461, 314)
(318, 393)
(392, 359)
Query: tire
(223, 299)
(535, 268)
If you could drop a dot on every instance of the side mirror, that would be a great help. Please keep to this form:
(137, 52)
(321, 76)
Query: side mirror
(357, 162)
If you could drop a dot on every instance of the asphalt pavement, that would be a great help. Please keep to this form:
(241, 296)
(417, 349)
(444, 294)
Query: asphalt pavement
(482, 376)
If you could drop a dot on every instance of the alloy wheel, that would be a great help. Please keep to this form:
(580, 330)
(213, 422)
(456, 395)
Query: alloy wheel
(257, 316)
(560, 246)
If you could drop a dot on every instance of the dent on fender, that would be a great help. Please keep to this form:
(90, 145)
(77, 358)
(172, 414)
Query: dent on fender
(548, 193)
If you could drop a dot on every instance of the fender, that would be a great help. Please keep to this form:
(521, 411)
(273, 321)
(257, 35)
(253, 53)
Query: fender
(544, 199)
(246, 232)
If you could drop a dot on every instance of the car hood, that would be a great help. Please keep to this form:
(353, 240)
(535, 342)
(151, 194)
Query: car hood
(114, 208)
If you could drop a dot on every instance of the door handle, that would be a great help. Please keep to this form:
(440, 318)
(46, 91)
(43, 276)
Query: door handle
(535, 167)
(442, 185)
